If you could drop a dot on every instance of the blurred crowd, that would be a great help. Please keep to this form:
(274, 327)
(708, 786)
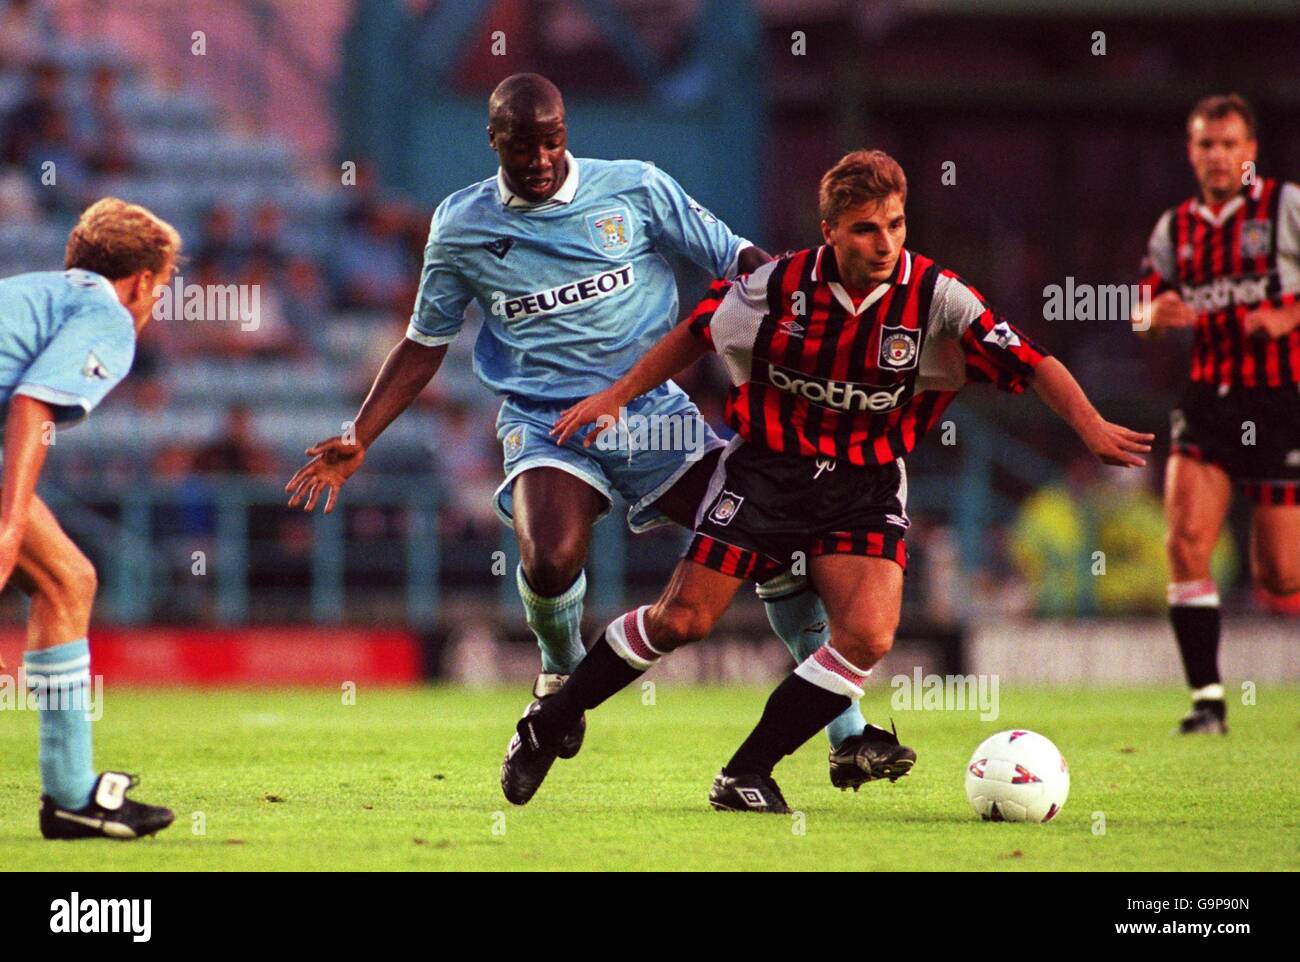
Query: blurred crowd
(64, 141)
(329, 306)
(332, 302)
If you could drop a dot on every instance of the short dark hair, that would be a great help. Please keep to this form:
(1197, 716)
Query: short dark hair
(1218, 106)
(859, 178)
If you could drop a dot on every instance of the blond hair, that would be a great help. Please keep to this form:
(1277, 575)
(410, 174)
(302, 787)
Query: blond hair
(117, 239)
(859, 178)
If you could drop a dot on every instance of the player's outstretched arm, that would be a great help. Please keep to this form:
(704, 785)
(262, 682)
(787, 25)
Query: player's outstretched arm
(1112, 443)
(406, 371)
(26, 445)
(675, 352)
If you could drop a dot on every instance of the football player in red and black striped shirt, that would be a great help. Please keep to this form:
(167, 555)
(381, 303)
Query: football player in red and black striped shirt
(841, 358)
(1227, 264)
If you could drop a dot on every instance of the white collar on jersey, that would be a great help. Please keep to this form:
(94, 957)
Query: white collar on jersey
(562, 196)
(837, 289)
(1228, 209)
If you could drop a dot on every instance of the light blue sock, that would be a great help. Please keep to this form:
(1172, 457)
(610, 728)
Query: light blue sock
(557, 623)
(60, 679)
(798, 616)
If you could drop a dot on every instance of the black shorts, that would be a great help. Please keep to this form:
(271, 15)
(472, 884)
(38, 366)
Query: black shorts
(762, 507)
(1251, 433)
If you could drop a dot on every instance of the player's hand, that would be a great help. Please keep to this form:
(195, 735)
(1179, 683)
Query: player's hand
(1116, 444)
(1169, 310)
(1267, 321)
(333, 462)
(600, 409)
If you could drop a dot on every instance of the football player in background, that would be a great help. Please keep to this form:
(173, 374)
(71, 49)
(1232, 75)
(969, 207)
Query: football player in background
(1226, 263)
(66, 339)
(841, 358)
(565, 258)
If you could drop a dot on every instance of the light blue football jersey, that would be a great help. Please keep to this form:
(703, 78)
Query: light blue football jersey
(65, 339)
(575, 290)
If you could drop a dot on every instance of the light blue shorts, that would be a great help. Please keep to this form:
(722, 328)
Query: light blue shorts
(661, 437)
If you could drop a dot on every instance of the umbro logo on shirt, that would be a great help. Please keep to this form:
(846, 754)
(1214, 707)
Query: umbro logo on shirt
(499, 247)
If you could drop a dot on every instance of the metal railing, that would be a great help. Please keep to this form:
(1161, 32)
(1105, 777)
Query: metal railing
(141, 562)
(216, 540)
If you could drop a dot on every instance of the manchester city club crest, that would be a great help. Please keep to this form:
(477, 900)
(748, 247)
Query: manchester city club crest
(611, 231)
(725, 508)
(899, 347)
(1255, 238)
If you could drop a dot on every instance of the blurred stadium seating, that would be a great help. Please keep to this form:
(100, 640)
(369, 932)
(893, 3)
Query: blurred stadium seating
(241, 148)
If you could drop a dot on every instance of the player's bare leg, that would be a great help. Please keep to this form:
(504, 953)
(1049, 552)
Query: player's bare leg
(794, 610)
(1275, 557)
(61, 582)
(59, 579)
(868, 594)
(689, 607)
(1197, 496)
(553, 514)
(696, 597)
(863, 597)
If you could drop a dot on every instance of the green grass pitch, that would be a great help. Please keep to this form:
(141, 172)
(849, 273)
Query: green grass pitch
(407, 779)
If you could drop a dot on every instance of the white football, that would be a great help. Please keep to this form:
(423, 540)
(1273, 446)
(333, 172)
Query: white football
(1017, 776)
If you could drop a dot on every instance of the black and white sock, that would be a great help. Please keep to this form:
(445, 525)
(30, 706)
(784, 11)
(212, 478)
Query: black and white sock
(821, 687)
(620, 656)
(1194, 613)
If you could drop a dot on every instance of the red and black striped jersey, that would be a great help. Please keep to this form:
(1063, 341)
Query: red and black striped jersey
(1224, 264)
(815, 374)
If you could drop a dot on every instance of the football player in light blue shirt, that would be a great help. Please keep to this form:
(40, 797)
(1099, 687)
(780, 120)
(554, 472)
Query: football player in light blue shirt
(66, 339)
(565, 257)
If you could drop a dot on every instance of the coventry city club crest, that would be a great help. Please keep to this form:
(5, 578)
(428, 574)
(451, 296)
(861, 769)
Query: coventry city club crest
(899, 347)
(514, 443)
(1255, 238)
(611, 231)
